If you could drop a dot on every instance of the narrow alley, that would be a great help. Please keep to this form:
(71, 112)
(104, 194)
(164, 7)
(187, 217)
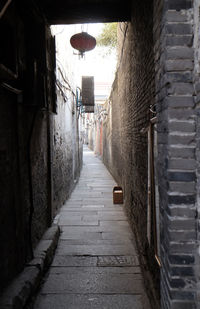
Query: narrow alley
(96, 263)
(138, 109)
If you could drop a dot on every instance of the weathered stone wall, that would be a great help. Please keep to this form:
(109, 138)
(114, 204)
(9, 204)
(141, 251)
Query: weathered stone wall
(67, 143)
(15, 126)
(13, 232)
(27, 160)
(67, 157)
(40, 174)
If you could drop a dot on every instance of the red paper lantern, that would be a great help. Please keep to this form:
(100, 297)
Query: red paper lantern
(83, 42)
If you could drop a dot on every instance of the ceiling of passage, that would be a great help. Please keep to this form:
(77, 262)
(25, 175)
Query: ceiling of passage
(85, 11)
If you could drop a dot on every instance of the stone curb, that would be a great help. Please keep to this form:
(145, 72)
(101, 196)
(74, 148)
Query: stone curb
(27, 282)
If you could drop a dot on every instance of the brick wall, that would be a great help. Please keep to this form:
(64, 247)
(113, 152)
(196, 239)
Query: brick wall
(177, 149)
(107, 136)
(156, 65)
(112, 148)
(132, 94)
(40, 174)
(197, 110)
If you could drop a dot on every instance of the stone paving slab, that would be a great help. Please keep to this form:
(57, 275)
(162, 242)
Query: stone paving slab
(104, 189)
(96, 236)
(90, 206)
(78, 211)
(100, 261)
(96, 250)
(77, 222)
(84, 194)
(81, 271)
(104, 218)
(111, 212)
(82, 235)
(89, 210)
(93, 201)
(91, 234)
(99, 182)
(90, 282)
(99, 191)
(115, 235)
(120, 261)
(117, 223)
(90, 301)
(79, 207)
(74, 261)
(111, 228)
(95, 242)
(96, 264)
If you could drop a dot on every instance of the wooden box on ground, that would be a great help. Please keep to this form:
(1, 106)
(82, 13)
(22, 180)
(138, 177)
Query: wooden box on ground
(117, 195)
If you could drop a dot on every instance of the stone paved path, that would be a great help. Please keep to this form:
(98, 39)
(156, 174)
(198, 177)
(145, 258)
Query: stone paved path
(96, 264)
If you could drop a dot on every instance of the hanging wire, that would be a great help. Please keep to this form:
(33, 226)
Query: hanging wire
(84, 27)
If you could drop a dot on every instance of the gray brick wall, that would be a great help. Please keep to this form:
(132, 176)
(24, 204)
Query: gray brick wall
(197, 112)
(174, 49)
(133, 93)
(178, 190)
(112, 141)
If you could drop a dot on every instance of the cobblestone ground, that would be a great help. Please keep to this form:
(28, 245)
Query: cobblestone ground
(96, 264)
